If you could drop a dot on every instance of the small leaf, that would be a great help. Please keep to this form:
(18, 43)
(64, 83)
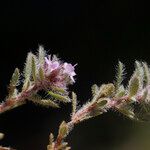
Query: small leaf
(119, 75)
(121, 92)
(15, 78)
(143, 111)
(51, 139)
(95, 89)
(94, 113)
(48, 103)
(62, 146)
(63, 129)
(26, 85)
(12, 91)
(133, 85)
(74, 102)
(59, 97)
(102, 102)
(41, 74)
(42, 54)
(146, 74)
(144, 96)
(106, 90)
(15, 93)
(129, 113)
(60, 90)
(28, 67)
(139, 71)
(34, 69)
(50, 146)
(43, 102)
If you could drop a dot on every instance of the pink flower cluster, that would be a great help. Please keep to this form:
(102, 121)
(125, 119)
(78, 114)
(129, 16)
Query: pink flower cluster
(58, 73)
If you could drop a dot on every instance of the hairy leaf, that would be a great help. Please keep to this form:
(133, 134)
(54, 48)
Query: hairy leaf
(121, 91)
(51, 139)
(144, 96)
(128, 113)
(63, 129)
(119, 75)
(74, 102)
(143, 111)
(59, 90)
(59, 97)
(134, 84)
(15, 78)
(43, 102)
(146, 74)
(34, 69)
(41, 74)
(106, 90)
(102, 102)
(12, 91)
(41, 56)
(139, 71)
(95, 89)
(28, 67)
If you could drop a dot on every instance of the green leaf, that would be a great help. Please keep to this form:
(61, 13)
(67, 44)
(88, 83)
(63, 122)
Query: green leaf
(26, 85)
(41, 56)
(74, 102)
(119, 75)
(128, 112)
(146, 74)
(134, 85)
(121, 91)
(28, 67)
(15, 78)
(43, 102)
(51, 139)
(144, 96)
(95, 89)
(48, 103)
(12, 91)
(63, 129)
(60, 90)
(143, 111)
(34, 69)
(106, 90)
(64, 146)
(59, 97)
(41, 74)
(139, 71)
(102, 102)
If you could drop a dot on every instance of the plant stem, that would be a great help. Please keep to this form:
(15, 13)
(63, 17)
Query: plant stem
(20, 99)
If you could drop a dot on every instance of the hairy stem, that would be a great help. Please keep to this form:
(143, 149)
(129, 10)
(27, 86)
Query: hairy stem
(21, 98)
(81, 115)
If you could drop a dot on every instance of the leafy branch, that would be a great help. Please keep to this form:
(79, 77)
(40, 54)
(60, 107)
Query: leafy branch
(47, 73)
(110, 96)
(41, 72)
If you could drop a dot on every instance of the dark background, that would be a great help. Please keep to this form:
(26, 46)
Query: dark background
(93, 34)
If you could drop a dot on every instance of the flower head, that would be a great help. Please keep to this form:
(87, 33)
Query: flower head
(51, 65)
(58, 73)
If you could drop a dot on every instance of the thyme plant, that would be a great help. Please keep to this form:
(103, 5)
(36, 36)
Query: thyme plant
(48, 73)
